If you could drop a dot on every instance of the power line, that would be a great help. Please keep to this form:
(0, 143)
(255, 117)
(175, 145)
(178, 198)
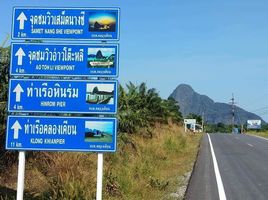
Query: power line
(263, 113)
(259, 98)
(260, 109)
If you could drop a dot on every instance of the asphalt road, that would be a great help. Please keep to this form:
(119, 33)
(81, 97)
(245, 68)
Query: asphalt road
(242, 163)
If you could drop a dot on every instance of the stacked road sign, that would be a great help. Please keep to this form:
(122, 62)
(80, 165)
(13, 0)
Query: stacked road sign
(62, 78)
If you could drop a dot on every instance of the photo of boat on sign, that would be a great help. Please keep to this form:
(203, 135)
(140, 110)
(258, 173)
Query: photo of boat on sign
(100, 93)
(99, 131)
(101, 57)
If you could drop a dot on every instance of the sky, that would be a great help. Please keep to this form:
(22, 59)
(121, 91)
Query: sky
(217, 47)
(102, 126)
(101, 87)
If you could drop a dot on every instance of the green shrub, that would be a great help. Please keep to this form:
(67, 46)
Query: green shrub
(140, 107)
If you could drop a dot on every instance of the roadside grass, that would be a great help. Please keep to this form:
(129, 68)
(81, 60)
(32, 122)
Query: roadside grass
(262, 133)
(153, 167)
(142, 168)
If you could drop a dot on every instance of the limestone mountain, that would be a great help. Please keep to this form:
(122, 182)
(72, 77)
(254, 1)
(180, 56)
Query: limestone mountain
(214, 112)
(99, 55)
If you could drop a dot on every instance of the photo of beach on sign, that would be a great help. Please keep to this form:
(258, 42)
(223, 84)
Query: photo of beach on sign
(98, 131)
(101, 57)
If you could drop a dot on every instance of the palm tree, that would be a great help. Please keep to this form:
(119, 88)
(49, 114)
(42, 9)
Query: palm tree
(140, 107)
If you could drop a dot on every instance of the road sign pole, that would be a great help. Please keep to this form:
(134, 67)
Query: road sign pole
(99, 176)
(21, 171)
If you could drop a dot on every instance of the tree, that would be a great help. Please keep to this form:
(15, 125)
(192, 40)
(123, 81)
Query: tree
(141, 107)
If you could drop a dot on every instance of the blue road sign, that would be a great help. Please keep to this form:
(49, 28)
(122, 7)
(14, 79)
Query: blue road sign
(61, 133)
(65, 23)
(62, 96)
(48, 59)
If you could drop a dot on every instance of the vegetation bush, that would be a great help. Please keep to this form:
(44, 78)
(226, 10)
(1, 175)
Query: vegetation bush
(7, 158)
(140, 107)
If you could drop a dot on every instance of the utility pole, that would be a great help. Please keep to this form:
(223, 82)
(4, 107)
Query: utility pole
(203, 113)
(232, 102)
(3, 53)
(5, 40)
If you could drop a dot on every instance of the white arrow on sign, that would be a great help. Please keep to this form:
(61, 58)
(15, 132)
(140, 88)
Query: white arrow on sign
(22, 18)
(18, 90)
(20, 53)
(16, 127)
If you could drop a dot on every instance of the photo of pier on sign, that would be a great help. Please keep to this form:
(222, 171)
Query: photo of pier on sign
(101, 131)
(100, 93)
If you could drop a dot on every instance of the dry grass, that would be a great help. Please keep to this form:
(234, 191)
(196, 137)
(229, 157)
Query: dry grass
(262, 134)
(142, 168)
(152, 167)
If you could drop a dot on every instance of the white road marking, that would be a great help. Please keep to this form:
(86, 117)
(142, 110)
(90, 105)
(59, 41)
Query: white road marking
(221, 191)
(249, 144)
(236, 137)
(259, 137)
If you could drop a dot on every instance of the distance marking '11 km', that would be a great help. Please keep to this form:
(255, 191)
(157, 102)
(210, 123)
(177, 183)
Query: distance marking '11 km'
(48, 133)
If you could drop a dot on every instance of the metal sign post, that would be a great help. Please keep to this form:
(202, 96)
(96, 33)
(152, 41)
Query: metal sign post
(21, 171)
(99, 176)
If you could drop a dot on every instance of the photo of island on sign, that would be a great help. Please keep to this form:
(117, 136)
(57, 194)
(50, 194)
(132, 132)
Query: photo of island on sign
(99, 131)
(100, 94)
(102, 21)
(101, 57)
